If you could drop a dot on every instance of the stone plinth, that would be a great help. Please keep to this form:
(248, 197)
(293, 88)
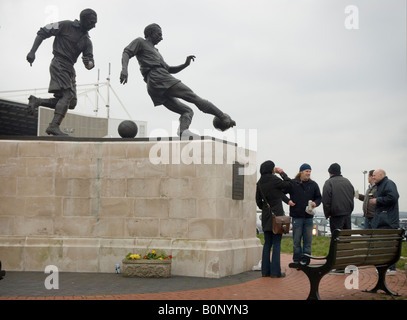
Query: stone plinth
(83, 205)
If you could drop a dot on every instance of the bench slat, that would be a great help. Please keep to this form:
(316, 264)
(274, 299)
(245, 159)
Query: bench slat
(366, 251)
(363, 260)
(379, 232)
(367, 238)
(356, 245)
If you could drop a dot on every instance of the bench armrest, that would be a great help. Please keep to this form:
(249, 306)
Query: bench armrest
(308, 258)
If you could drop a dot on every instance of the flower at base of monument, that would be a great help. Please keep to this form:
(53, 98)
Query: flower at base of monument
(148, 256)
(133, 257)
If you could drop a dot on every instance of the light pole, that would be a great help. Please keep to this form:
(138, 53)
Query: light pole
(364, 180)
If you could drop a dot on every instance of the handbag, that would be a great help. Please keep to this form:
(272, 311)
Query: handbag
(280, 224)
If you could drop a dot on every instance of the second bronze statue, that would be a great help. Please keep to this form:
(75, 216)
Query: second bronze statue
(163, 88)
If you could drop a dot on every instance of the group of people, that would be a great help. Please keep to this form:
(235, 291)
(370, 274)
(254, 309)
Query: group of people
(303, 195)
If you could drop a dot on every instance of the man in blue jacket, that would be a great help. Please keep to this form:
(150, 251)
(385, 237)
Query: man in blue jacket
(387, 207)
(386, 214)
(302, 190)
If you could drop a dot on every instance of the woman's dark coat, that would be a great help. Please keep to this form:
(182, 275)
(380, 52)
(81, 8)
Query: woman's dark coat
(272, 187)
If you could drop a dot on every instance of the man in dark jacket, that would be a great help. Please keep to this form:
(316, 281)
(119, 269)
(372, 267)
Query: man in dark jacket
(269, 191)
(387, 208)
(337, 199)
(302, 190)
(387, 205)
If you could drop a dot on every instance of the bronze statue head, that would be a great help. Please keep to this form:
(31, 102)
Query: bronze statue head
(88, 19)
(154, 33)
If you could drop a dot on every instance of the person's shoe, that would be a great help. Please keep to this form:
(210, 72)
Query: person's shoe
(282, 275)
(265, 275)
(54, 130)
(33, 104)
(390, 272)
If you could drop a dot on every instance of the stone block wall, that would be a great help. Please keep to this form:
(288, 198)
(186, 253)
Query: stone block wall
(83, 205)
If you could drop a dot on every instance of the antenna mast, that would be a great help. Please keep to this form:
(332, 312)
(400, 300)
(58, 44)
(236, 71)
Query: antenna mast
(108, 95)
(97, 95)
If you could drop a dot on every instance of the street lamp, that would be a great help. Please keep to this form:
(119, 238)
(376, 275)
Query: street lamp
(364, 180)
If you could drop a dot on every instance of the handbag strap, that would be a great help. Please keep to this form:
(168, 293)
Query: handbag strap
(262, 195)
(265, 200)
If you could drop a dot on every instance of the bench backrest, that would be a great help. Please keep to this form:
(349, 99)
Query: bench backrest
(376, 247)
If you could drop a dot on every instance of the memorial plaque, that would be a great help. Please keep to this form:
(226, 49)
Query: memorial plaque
(238, 181)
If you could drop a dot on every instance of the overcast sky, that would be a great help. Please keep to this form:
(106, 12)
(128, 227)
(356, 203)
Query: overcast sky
(321, 81)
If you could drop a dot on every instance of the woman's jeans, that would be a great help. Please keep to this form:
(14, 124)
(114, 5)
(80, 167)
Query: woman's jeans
(273, 267)
(302, 230)
(368, 223)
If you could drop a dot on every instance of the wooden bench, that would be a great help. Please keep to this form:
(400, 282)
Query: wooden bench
(378, 247)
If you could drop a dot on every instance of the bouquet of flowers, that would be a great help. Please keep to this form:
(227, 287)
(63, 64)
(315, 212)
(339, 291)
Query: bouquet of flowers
(149, 256)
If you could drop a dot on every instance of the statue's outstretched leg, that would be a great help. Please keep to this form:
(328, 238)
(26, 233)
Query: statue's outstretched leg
(208, 107)
(181, 91)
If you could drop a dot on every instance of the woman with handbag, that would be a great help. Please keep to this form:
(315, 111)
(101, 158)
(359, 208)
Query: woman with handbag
(269, 193)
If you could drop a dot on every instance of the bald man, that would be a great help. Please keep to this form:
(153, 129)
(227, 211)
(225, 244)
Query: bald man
(387, 208)
(386, 214)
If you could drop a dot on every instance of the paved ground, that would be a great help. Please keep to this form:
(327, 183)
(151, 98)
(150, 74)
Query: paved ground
(246, 286)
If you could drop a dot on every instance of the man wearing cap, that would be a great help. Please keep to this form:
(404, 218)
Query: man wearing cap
(337, 199)
(302, 191)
